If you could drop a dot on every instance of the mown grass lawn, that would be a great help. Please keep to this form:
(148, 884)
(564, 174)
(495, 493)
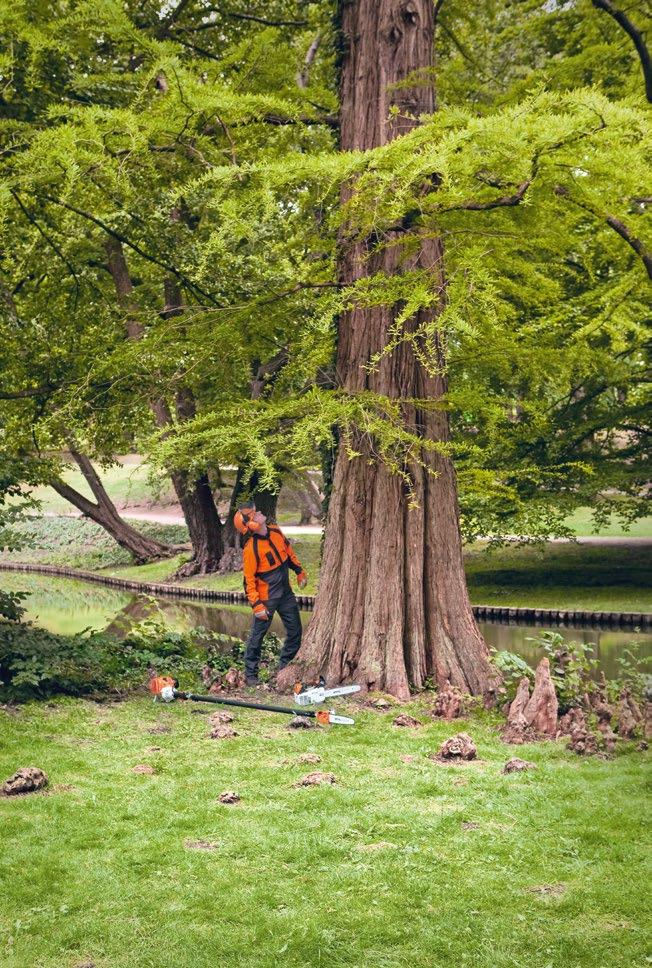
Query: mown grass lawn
(399, 865)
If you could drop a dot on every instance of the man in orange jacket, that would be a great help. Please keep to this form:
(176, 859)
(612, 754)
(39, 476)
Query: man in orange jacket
(266, 562)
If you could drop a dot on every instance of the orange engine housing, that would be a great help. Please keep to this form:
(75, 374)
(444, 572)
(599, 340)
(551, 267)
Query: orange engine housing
(157, 684)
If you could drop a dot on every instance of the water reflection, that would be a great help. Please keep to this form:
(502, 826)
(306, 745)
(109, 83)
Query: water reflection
(67, 606)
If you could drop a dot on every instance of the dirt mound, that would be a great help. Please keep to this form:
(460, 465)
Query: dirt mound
(28, 779)
(301, 722)
(222, 731)
(405, 720)
(516, 765)
(317, 779)
(221, 718)
(309, 758)
(456, 749)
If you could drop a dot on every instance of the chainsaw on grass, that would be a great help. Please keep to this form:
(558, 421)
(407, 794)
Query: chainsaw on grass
(314, 695)
(165, 689)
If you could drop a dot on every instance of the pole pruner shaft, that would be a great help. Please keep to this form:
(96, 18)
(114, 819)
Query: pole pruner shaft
(165, 690)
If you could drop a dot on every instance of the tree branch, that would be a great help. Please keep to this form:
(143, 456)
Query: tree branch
(25, 394)
(304, 74)
(637, 38)
(132, 245)
(266, 22)
(616, 224)
(55, 248)
(505, 201)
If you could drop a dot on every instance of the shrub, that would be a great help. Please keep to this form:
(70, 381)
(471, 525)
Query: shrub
(35, 663)
(634, 674)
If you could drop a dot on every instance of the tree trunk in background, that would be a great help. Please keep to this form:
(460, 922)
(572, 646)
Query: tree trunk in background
(393, 608)
(195, 495)
(105, 513)
(266, 501)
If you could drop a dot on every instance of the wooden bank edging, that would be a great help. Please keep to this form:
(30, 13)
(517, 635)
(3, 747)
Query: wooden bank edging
(486, 613)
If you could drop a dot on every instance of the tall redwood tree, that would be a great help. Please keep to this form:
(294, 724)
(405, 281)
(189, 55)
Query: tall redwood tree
(393, 608)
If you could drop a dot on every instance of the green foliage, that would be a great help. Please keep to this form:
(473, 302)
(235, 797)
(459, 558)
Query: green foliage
(189, 141)
(512, 668)
(224, 652)
(572, 668)
(35, 663)
(15, 502)
(635, 674)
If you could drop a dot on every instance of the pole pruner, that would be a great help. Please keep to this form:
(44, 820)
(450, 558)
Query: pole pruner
(165, 689)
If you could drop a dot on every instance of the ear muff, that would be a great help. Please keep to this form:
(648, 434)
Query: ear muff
(243, 523)
(240, 522)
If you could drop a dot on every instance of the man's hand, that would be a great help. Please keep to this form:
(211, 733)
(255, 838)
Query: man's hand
(261, 613)
(302, 579)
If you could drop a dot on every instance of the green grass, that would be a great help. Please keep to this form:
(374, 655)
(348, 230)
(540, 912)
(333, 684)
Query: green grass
(79, 543)
(127, 483)
(377, 870)
(581, 523)
(565, 576)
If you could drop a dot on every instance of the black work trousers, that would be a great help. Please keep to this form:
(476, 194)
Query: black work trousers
(288, 609)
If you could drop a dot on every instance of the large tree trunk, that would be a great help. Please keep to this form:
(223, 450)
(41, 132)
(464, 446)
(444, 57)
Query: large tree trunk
(393, 608)
(195, 495)
(105, 513)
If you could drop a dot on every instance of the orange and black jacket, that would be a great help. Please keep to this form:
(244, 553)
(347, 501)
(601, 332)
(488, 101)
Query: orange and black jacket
(265, 563)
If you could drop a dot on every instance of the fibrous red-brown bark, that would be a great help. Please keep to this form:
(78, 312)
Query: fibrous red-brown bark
(393, 608)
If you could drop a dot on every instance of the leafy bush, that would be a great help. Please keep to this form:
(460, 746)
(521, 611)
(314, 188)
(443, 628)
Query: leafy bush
(11, 608)
(35, 663)
(223, 652)
(512, 669)
(634, 674)
(572, 668)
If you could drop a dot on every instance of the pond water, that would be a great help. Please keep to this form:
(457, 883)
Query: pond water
(66, 606)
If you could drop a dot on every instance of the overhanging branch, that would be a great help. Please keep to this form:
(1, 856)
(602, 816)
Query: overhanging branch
(637, 38)
(616, 224)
